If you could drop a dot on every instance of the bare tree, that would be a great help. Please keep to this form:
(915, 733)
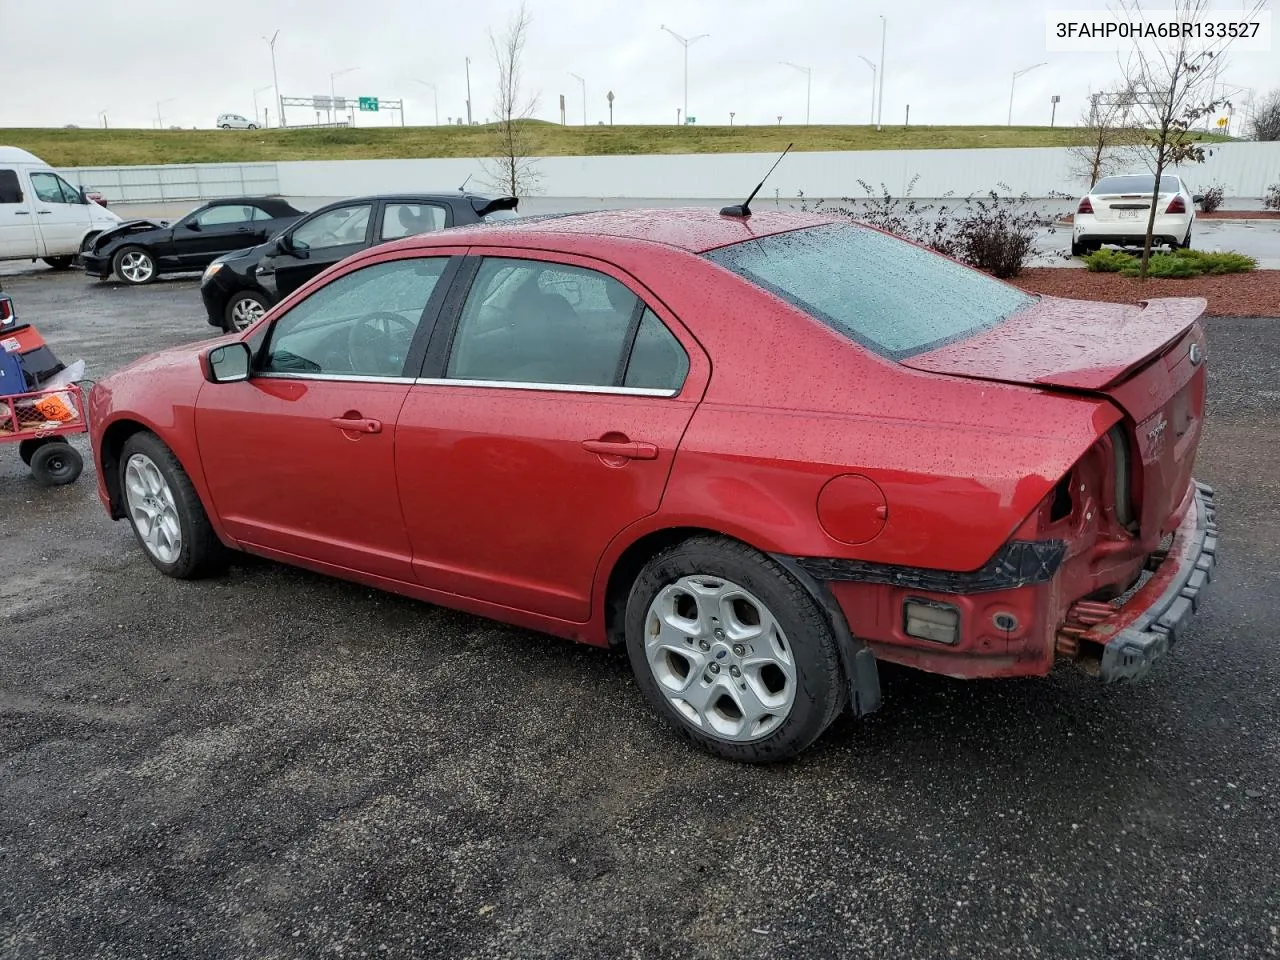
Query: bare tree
(512, 170)
(1266, 117)
(1172, 81)
(1108, 121)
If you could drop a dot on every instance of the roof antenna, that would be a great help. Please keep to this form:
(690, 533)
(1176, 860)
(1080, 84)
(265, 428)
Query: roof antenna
(744, 209)
(464, 183)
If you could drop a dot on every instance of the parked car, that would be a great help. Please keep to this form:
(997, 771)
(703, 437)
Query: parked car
(140, 250)
(238, 288)
(42, 216)
(1116, 211)
(760, 454)
(233, 121)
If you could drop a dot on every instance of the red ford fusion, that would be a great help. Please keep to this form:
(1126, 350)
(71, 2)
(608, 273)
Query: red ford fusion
(763, 453)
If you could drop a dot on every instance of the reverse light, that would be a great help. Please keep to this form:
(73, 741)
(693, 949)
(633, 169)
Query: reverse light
(929, 620)
(1177, 205)
(1085, 206)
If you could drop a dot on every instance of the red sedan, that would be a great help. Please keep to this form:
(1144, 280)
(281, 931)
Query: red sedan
(762, 453)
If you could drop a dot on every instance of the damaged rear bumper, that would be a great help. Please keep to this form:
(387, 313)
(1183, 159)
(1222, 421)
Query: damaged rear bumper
(1136, 634)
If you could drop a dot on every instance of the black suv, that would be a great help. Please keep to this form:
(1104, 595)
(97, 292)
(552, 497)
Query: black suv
(240, 287)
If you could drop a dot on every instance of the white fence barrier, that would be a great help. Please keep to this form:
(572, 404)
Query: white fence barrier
(1244, 169)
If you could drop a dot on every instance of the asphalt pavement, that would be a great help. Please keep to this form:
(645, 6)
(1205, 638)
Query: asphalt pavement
(275, 764)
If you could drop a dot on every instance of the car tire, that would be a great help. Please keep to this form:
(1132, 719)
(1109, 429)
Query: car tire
(243, 310)
(252, 126)
(1079, 249)
(56, 464)
(1186, 241)
(743, 637)
(226, 126)
(134, 265)
(60, 263)
(165, 512)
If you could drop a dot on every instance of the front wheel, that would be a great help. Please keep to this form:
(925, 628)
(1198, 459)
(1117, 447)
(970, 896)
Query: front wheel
(134, 265)
(243, 310)
(253, 126)
(60, 263)
(165, 511)
(56, 464)
(732, 651)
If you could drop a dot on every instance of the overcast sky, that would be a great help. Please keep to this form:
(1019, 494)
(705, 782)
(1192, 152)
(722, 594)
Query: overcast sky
(951, 62)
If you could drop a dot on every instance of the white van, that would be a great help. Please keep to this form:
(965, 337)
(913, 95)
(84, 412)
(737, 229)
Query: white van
(41, 215)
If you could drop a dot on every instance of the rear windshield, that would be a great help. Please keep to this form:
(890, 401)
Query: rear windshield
(1142, 183)
(889, 295)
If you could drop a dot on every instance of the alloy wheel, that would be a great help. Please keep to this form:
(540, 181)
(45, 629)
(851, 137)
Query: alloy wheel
(136, 266)
(245, 313)
(720, 658)
(152, 508)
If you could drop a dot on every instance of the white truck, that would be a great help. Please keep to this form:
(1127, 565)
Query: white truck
(41, 215)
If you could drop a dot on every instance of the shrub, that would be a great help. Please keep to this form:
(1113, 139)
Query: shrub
(1106, 260)
(994, 232)
(1177, 265)
(1271, 201)
(1164, 265)
(1211, 199)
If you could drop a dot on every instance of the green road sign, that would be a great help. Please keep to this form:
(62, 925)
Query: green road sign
(369, 103)
(690, 119)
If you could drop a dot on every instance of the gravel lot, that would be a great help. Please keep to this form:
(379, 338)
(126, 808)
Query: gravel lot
(276, 765)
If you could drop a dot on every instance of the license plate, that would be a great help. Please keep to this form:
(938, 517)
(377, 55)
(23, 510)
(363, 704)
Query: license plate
(1128, 214)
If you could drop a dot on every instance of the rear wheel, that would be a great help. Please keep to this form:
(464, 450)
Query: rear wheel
(1186, 241)
(60, 263)
(56, 463)
(732, 651)
(243, 310)
(134, 265)
(165, 511)
(1078, 249)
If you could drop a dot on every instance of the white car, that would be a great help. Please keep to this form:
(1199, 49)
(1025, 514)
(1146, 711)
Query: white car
(42, 215)
(233, 121)
(1116, 211)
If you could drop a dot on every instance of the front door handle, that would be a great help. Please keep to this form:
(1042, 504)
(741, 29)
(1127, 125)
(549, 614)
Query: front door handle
(357, 424)
(44, 212)
(630, 449)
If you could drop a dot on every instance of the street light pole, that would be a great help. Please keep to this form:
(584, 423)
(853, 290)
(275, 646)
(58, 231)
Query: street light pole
(255, 100)
(103, 114)
(873, 85)
(160, 119)
(1016, 75)
(808, 88)
(468, 91)
(275, 78)
(686, 43)
(333, 88)
(435, 96)
(884, 29)
(584, 95)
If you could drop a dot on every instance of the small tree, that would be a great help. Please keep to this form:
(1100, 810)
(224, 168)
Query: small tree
(1108, 121)
(1172, 81)
(1266, 117)
(512, 170)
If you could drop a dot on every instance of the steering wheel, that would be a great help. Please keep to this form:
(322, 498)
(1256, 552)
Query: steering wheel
(378, 343)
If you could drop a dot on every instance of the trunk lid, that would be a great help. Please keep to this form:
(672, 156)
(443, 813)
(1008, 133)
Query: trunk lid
(1147, 358)
(1113, 207)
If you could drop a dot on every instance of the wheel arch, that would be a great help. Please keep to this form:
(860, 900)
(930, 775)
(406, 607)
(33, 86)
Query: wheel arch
(113, 440)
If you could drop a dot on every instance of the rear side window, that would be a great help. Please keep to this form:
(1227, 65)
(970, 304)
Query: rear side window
(10, 188)
(410, 219)
(889, 295)
(531, 322)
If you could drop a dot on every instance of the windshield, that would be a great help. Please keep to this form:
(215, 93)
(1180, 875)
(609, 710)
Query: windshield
(889, 295)
(1141, 183)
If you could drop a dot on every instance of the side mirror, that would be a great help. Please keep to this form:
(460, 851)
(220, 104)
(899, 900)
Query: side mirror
(1197, 198)
(228, 363)
(192, 225)
(283, 244)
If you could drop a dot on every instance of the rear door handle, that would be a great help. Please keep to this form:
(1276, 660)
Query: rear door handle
(44, 212)
(631, 449)
(357, 424)
(22, 213)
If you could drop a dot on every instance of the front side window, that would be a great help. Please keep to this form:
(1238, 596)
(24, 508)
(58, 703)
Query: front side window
(526, 321)
(889, 295)
(46, 187)
(225, 214)
(334, 228)
(361, 324)
(409, 219)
